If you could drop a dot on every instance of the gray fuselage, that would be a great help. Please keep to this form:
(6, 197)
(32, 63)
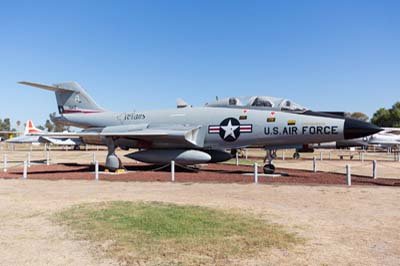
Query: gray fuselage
(257, 127)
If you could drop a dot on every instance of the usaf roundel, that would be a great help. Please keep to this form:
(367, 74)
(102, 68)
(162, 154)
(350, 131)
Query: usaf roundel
(230, 129)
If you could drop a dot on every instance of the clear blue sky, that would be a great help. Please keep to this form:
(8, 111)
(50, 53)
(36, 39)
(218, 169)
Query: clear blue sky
(136, 55)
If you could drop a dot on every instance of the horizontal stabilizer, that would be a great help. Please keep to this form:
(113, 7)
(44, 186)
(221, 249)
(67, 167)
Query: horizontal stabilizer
(71, 97)
(45, 87)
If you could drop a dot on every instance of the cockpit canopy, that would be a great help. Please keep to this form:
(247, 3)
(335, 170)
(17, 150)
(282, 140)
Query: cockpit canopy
(258, 102)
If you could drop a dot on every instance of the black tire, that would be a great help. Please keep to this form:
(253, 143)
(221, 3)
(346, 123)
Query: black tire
(296, 155)
(269, 169)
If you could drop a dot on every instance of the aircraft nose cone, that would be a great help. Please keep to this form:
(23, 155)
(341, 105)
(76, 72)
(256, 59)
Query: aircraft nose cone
(354, 128)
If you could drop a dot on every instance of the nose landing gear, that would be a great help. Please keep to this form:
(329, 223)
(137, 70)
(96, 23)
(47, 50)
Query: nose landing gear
(296, 155)
(269, 168)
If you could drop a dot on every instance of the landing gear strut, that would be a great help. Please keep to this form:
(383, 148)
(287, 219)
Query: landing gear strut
(113, 163)
(269, 168)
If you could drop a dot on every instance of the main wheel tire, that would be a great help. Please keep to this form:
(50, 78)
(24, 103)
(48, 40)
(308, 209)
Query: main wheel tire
(269, 169)
(113, 163)
(296, 155)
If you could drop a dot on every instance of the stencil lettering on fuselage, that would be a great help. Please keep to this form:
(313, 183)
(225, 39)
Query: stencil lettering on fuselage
(305, 130)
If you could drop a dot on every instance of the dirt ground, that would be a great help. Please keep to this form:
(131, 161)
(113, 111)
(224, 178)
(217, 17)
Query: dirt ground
(386, 167)
(215, 173)
(343, 226)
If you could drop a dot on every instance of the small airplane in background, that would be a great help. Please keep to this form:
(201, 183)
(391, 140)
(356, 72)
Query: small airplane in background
(28, 137)
(195, 135)
(388, 138)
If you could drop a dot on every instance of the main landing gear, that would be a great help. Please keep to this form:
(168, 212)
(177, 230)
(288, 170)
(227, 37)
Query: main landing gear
(269, 168)
(113, 163)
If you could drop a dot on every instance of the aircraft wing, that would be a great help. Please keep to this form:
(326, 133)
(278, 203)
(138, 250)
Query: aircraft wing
(184, 135)
(45, 87)
(23, 139)
(60, 141)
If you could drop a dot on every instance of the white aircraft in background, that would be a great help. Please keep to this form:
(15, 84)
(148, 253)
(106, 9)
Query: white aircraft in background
(388, 138)
(31, 129)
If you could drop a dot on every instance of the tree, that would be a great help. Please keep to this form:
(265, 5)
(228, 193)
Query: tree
(358, 116)
(387, 117)
(5, 125)
(51, 127)
(59, 128)
(395, 114)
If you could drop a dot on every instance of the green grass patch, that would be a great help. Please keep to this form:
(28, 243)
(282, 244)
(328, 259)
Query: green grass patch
(167, 234)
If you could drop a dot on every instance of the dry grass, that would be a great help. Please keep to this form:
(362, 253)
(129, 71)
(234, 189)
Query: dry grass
(166, 234)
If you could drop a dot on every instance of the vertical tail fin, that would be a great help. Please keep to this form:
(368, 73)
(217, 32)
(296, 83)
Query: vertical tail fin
(71, 97)
(30, 128)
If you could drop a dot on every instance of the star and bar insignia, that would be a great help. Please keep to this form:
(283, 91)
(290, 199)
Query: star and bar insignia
(230, 129)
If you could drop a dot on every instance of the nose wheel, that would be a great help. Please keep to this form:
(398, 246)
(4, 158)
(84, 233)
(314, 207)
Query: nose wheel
(296, 155)
(269, 168)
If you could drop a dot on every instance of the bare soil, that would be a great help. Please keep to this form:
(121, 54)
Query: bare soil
(215, 173)
(341, 225)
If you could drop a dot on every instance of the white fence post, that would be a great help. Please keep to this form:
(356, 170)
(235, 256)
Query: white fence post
(330, 155)
(5, 164)
(283, 155)
(396, 156)
(25, 175)
(256, 173)
(374, 169)
(172, 171)
(237, 158)
(320, 156)
(29, 159)
(348, 174)
(246, 154)
(94, 157)
(47, 158)
(314, 164)
(96, 170)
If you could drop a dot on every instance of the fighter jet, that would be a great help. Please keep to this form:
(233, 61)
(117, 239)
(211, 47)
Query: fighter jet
(30, 137)
(194, 135)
